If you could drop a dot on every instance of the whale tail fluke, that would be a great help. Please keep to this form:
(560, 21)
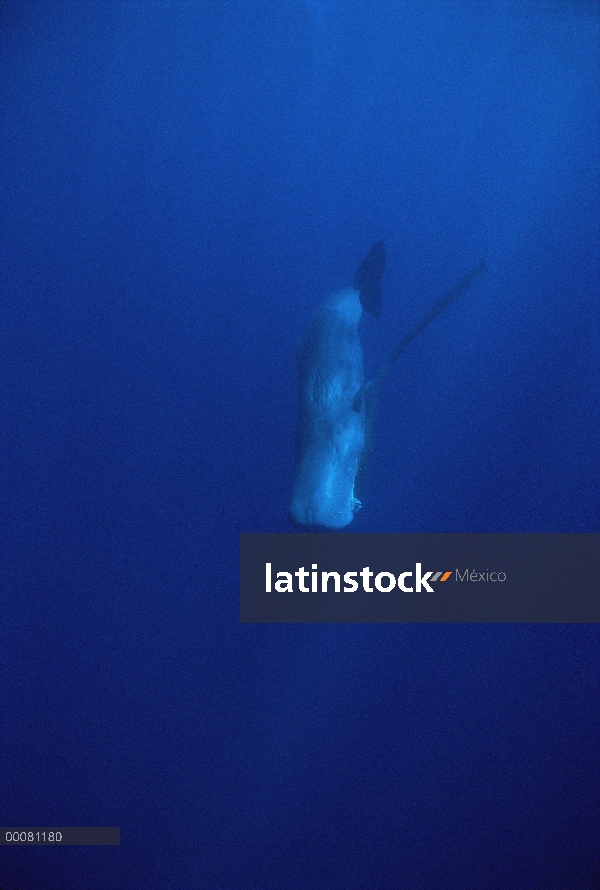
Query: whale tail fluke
(369, 274)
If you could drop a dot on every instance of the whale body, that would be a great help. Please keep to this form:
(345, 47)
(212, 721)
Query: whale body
(336, 406)
(330, 433)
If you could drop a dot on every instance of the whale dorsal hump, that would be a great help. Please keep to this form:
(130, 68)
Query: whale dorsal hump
(369, 274)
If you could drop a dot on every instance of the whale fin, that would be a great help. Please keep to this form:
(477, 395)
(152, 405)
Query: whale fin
(369, 274)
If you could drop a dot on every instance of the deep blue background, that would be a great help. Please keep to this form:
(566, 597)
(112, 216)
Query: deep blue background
(181, 184)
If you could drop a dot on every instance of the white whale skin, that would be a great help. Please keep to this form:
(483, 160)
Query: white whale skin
(330, 433)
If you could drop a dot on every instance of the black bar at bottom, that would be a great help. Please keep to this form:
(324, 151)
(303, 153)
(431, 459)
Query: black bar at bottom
(59, 837)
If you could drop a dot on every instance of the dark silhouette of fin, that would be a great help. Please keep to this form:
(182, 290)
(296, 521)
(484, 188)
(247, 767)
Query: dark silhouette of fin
(369, 274)
(369, 393)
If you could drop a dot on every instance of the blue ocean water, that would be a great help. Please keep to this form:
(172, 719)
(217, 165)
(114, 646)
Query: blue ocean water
(182, 183)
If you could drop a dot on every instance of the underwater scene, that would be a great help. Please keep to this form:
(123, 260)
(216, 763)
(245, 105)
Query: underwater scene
(187, 189)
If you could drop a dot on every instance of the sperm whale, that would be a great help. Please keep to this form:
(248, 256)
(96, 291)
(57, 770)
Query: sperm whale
(330, 433)
(336, 406)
